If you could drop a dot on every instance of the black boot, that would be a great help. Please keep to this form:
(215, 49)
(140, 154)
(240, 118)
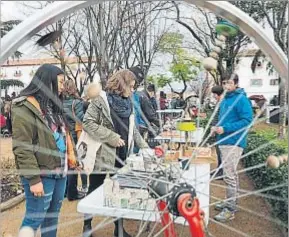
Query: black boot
(87, 228)
(78, 196)
(115, 233)
(218, 175)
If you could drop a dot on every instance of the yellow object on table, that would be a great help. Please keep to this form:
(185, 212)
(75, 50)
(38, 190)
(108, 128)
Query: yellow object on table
(186, 126)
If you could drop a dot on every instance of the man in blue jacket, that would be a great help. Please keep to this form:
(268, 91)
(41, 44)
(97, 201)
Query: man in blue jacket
(235, 116)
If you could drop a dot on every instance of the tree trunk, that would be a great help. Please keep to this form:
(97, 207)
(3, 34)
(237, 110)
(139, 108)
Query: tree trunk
(283, 97)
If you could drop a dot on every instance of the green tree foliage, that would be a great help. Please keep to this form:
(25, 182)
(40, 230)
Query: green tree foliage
(5, 84)
(7, 26)
(183, 67)
(203, 35)
(275, 13)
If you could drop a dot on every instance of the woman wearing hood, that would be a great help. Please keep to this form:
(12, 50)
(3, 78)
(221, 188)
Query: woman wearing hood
(43, 148)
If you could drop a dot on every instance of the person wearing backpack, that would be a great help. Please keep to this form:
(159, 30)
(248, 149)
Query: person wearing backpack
(74, 113)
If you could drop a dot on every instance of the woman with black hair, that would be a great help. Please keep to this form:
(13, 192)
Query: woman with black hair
(43, 148)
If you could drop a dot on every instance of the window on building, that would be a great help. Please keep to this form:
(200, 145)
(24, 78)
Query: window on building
(274, 82)
(17, 73)
(256, 82)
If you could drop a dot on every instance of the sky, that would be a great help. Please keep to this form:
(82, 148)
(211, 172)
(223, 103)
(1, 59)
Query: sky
(16, 10)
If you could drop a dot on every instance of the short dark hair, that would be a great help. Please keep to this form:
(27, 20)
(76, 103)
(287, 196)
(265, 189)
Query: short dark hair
(219, 90)
(233, 77)
(139, 74)
(151, 88)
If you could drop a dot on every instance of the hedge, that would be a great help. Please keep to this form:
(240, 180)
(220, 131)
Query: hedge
(266, 177)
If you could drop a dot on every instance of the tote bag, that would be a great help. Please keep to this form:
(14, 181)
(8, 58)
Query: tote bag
(87, 147)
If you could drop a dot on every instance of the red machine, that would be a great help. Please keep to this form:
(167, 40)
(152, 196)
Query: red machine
(181, 202)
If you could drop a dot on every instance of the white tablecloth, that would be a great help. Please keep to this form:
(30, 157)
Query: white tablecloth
(94, 202)
(194, 137)
(170, 111)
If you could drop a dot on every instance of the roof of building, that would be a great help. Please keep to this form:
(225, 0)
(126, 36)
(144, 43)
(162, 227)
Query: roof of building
(73, 60)
(248, 53)
(40, 61)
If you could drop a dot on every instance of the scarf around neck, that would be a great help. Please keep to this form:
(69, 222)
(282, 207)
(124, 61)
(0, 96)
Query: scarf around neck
(122, 106)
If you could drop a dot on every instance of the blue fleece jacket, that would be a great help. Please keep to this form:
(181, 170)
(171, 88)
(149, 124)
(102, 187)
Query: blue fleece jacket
(235, 113)
(137, 110)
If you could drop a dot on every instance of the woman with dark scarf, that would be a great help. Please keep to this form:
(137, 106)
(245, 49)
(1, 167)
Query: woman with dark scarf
(108, 120)
(119, 90)
(43, 148)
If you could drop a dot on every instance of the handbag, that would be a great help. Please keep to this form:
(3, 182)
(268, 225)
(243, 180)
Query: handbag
(78, 126)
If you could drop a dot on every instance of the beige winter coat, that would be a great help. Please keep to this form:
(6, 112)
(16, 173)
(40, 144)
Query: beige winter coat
(98, 124)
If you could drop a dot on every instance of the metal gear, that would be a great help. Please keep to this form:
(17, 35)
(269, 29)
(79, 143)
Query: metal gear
(176, 191)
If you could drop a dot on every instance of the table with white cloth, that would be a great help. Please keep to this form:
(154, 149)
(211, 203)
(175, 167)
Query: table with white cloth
(198, 176)
(172, 113)
(180, 137)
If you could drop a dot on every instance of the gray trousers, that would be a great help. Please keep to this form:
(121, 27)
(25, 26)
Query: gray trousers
(230, 158)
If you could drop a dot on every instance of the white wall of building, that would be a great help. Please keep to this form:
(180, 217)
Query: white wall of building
(261, 78)
(8, 72)
(243, 69)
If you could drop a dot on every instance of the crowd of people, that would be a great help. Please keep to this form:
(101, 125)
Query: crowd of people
(49, 116)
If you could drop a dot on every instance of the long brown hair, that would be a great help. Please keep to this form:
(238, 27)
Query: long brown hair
(70, 89)
(119, 82)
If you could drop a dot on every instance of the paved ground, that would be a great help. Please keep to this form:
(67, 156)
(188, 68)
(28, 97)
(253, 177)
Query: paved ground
(70, 224)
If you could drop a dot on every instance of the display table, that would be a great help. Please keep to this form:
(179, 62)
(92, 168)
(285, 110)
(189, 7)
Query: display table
(94, 203)
(179, 137)
(170, 111)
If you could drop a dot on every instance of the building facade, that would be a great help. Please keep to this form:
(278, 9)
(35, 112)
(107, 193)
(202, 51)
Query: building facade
(24, 69)
(260, 82)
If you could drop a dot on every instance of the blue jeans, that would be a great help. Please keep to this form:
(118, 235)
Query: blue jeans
(44, 211)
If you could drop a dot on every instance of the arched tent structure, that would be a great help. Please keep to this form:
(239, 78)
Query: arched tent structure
(25, 30)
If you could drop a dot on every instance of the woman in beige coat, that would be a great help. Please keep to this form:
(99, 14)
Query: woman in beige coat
(100, 126)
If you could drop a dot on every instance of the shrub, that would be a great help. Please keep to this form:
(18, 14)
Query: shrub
(266, 177)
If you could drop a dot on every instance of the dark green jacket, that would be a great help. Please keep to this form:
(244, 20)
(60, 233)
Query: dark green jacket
(68, 102)
(33, 143)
